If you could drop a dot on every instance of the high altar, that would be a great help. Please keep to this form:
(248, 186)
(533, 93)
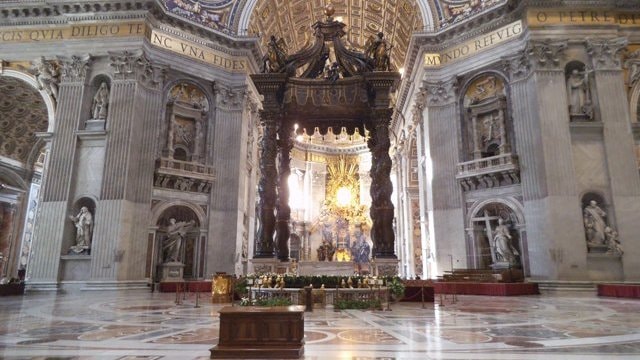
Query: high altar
(324, 150)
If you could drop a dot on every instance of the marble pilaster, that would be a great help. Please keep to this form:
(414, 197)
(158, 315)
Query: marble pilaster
(619, 148)
(134, 108)
(227, 203)
(52, 222)
(541, 123)
(444, 204)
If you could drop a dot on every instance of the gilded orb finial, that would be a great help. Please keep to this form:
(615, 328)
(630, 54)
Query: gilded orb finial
(329, 10)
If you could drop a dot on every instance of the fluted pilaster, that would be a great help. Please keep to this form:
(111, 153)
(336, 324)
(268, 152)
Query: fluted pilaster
(541, 125)
(619, 148)
(443, 192)
(54, 208)
(226, 214)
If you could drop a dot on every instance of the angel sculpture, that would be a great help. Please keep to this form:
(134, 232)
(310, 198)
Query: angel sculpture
(48, 76)
(377, 49)
(275, 58)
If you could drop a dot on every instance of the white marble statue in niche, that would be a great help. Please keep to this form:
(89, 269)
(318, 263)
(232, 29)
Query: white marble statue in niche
(594, 223)
(579, 95)
(176, 232)
(601, 237)
(613, 243)
(84, 231)
(504, 250)
(100, 104)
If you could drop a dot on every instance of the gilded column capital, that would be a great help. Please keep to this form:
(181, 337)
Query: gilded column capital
(150, 75)
(606, 53)
(74, 68)
(547, 54)
(440, 93)
(228, 97)
(124, 64)
(518, 66)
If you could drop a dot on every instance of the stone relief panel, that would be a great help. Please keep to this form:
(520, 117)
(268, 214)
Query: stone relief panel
(416, 236)
(22, 114)
(485, 104)
(451, 12)
(414, 165)
(211, 13)
(181, 166)
(632, 75)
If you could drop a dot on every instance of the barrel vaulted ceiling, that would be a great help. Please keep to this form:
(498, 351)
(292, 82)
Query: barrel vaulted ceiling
(291, 19)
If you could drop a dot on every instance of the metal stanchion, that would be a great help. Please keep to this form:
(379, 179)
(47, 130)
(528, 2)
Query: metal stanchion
(388, 300)
(453, 296)
(197, 298)
(422, 295)
(233, 289)
(178, 289)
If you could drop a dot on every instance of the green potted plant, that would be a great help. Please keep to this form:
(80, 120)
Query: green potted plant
(396, 288)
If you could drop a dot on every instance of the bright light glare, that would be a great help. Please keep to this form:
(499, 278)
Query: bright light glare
(343, 196)
(296, 197)
(299, 138)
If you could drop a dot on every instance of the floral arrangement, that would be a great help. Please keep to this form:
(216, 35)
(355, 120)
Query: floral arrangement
(318, 281)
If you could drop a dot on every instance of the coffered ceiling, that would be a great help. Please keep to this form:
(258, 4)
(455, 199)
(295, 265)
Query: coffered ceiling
(292, 21)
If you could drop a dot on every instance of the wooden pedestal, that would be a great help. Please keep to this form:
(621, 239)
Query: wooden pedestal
(260, 333)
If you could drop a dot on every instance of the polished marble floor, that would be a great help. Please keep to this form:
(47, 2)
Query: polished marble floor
(143, 325)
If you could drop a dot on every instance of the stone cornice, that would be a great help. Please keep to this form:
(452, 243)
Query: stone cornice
(64, 12)
(60, 12)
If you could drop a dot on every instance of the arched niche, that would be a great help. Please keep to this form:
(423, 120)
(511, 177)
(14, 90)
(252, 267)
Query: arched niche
(73, 229)
(186, 117)
(580, 90)
(191, 250)
(487, 129)
(483, 219)
(99, 102)
(598, 221)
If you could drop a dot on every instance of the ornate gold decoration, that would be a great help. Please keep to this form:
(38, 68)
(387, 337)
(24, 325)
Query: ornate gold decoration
(483, 88)
(343, 173)
(398, 19)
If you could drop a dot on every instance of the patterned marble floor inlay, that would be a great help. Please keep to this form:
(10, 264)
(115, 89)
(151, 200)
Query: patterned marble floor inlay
(141, 325)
